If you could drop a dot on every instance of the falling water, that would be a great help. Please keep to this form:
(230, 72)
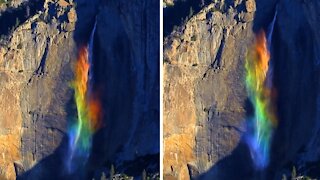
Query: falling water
(88, 118)
(269, 43)
(270, 30)
(91, 46)
(261, 94)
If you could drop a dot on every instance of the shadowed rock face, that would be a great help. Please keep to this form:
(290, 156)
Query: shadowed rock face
(127, 74)
(36, 66)
(296, 59)
(205, 108)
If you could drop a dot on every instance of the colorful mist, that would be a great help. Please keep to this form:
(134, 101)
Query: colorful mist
(88, 113)
(261, 94)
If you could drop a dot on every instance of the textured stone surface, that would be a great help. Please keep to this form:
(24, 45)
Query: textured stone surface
(35, 71)
(36, 68)
(205, 100)
(204, 92)
(250, 6)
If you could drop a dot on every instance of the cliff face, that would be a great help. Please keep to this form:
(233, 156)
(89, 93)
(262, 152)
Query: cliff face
(133, 46)
(36, 61)
(205, 96)
(35, 71)
(205, 101)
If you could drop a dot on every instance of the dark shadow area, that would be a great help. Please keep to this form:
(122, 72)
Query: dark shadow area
(53, 167)
(41, 68)
(176, 15)
(312, 169)
(238, 165)
(217, 61)
(13, 17)
(135, 167)
(50, 167)
(116, 81)
(265, 11)
(86, 15)
(296, 78)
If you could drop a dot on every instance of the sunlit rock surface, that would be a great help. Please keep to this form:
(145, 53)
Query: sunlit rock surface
(35, 70)
(203, 106)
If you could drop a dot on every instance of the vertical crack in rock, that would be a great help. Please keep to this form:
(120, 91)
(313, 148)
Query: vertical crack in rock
(216, 64)
(41, 68)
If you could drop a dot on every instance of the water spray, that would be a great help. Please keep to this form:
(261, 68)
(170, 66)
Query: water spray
(89, 110)
(261, 94)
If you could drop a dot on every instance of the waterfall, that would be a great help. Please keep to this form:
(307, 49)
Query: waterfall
(270, 30)
(269, 44)
(89, 111)
(259, 72)
(90, 47)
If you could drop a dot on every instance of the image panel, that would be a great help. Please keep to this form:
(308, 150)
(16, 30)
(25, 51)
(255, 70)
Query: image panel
(241, 89)
(79, 89)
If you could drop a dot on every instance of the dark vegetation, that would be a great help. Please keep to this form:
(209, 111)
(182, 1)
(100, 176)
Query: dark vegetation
(295, 176)
(147, 167)
(179, 13)
(294, 171)
(13, 17)
(147, 162)
(115, 175)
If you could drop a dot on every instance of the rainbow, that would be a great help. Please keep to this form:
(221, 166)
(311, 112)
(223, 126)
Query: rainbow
(261, 94)
(88, 113)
